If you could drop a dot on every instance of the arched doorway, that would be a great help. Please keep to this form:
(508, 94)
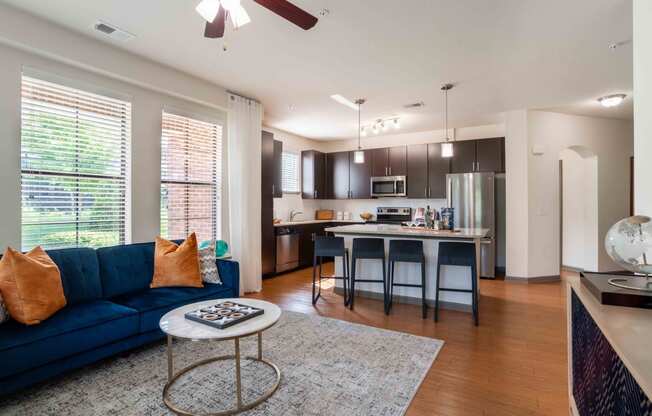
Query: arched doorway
(579, 220)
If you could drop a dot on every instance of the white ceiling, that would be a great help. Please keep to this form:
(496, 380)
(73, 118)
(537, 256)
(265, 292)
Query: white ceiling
(501, 54)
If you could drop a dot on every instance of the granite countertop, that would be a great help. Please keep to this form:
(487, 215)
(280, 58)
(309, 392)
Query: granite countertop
(304, 222)
(627, 330)
(398, 230)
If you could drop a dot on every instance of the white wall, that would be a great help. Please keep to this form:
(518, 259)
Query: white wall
(49, 48)
(642, 106)
(580, 210)
(550, 133)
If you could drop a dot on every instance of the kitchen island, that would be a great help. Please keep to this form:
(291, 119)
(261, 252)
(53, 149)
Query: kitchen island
(410, 273)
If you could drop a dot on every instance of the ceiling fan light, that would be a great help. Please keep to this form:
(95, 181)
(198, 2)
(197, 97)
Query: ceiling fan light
(208, 9)
(239, 17)
(447, 150)
(358, 156)
(231, 5)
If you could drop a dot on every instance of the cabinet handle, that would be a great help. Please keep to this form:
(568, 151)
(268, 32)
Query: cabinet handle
(390, 171)
(429, 192)
(273, 189)
(385, 170)
(477, 166)
(425, 192)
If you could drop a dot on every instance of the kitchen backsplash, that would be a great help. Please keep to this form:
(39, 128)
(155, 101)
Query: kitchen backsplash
(282, 206)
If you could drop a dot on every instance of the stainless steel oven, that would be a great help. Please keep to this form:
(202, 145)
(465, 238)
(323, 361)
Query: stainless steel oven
(388, 186)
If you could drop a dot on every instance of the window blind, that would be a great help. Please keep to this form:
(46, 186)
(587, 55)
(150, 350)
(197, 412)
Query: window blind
(191, 166)
(290, 172)
(74, 166)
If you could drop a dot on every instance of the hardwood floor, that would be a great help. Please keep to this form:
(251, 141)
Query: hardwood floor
(514, 363)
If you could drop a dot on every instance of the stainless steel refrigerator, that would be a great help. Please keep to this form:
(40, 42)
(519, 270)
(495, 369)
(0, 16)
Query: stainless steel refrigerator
(472, 195)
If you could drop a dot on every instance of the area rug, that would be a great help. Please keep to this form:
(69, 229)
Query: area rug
(329, 367)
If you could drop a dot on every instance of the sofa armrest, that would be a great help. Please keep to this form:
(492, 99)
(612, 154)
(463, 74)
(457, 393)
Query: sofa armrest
(230, 274)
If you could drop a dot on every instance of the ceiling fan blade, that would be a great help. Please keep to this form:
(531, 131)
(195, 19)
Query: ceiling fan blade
(216, 29)
(290, 12)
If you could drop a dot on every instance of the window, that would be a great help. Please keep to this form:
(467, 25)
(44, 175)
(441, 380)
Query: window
(74, 167)
(290, 172)
(191, 166)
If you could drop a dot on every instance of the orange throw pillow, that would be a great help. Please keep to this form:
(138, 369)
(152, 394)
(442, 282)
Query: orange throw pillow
(31, 285)
(176, 265)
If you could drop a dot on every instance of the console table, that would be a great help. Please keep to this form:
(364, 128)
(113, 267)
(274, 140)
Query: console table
(609, 356)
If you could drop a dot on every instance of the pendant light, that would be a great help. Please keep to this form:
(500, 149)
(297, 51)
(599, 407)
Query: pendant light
(358, 155)
(447, 147)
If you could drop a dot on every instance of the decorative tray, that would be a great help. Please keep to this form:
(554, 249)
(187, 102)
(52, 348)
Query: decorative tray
(608, 294)
(224, 314)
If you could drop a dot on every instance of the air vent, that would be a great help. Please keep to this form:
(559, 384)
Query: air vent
(415, 105)
(112, 31)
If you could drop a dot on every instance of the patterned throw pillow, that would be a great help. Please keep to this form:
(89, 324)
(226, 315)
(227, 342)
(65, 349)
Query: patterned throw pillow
(4, 313)
(207, 266)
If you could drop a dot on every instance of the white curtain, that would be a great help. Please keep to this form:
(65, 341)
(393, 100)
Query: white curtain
(244, 167)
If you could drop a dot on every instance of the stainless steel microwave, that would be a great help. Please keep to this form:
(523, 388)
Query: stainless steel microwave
(388, 186)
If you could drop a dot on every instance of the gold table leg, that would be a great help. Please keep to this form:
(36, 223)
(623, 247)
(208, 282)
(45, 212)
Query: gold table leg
(241, 406)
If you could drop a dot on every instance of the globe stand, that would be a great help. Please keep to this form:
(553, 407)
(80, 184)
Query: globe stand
(636, 282)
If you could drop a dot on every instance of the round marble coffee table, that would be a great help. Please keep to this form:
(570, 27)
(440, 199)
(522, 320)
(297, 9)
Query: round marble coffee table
(175, 325)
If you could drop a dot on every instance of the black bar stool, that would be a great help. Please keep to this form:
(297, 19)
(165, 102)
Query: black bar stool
(327, 246)
(458, 254)
(372, 249)
(409, 251)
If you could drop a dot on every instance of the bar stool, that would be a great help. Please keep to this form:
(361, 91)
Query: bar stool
(458, 254)
(328, 246)
(409, 251)
(371, 249)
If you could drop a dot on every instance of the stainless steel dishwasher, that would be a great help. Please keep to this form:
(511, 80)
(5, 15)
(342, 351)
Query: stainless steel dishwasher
(287, 249)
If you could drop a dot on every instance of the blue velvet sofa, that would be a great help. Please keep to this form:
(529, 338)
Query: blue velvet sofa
(110, 309)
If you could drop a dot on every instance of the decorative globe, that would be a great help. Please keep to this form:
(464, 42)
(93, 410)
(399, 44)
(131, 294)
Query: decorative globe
(629, 244)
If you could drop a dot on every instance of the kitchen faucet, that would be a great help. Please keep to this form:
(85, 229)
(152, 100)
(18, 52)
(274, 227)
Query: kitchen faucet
(293, 214)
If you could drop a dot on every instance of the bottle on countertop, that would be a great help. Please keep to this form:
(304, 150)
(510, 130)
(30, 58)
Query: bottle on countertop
(428, 217)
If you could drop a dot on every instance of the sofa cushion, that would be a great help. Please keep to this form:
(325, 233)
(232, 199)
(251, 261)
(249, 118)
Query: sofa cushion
(126, 269)
(80, 274)
(154, 303)
(72, 330)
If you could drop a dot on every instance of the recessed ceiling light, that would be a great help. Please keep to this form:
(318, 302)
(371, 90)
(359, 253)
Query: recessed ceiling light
(345, 101)
(611, 100)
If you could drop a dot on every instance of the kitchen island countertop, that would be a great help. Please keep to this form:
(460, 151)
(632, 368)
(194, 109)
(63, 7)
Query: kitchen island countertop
(403, 231)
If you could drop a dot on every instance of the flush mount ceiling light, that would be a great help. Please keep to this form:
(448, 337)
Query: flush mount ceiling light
(612, 100)
(345, 101)
(447, 147)
(358, 155)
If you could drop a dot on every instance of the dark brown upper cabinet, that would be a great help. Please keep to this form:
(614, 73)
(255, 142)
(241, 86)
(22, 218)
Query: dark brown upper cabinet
(379, 162)
(463, 159)
(337, 175)
(268, 237)
(417, 171)
(490, 155)
(390, 161)
(360, 177)
(438, 168)
(277, 187)
(484, 155)
(313, 174)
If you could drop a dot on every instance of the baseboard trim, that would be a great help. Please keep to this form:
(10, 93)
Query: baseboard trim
(572, 269)
(537, 279)
(452, 306)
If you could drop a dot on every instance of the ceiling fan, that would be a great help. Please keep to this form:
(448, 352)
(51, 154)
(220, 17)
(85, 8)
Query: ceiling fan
(217, 12)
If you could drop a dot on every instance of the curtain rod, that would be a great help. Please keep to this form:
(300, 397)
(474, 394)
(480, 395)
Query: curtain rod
(243, 96)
